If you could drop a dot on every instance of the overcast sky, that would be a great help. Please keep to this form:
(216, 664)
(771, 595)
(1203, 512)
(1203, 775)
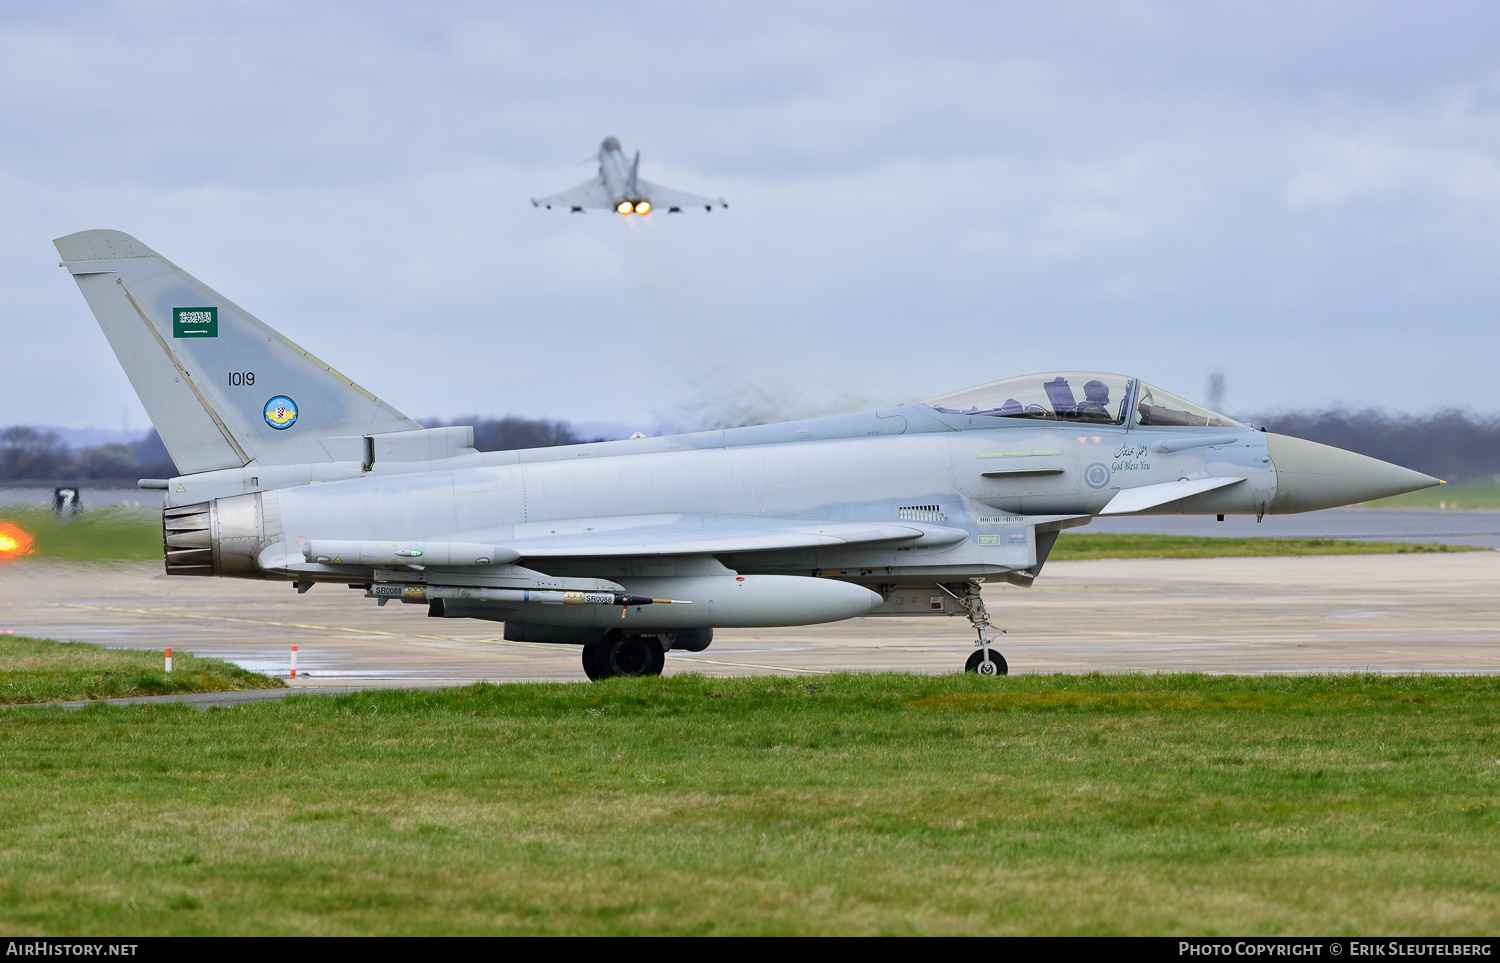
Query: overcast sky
(1305, 197)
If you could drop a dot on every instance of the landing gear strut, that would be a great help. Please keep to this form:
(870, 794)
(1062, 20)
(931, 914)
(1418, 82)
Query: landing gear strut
(621, 654)
(984, 660)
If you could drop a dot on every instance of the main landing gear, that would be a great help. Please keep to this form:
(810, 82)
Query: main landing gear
(621, 654)
(984, 660)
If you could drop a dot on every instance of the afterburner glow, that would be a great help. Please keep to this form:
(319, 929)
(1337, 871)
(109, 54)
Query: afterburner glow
(14, 542)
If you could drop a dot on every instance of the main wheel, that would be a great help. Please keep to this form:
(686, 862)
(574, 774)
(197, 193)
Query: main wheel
(631, 655)
(591, 662)
(995, 665)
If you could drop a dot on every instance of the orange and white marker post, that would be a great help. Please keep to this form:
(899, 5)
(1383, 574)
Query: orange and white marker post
(294, 662)
(169, 658)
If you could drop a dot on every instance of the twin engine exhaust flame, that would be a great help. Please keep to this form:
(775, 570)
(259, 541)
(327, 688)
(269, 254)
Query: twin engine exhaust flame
(639, 207)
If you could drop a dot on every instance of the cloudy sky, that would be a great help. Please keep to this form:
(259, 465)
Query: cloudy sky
(1304, 197)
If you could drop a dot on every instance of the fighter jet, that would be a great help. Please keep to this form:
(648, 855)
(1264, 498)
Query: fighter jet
(632, 548)
(620, 188)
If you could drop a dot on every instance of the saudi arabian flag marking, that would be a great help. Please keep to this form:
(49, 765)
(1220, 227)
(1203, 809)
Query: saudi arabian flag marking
(195, 322)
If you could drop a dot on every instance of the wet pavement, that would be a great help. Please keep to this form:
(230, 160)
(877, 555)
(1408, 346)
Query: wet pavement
(1479, 528)
(1382, 613)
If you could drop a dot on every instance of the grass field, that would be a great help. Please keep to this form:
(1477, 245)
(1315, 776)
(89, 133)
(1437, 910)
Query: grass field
(848, 804)
(1073, 546)
(42, 670)
(96, 535)
(1473, 495)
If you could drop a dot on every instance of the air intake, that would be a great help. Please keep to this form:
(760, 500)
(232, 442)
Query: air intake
(922, 513)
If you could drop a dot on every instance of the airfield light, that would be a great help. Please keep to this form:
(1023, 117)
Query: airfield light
(643, 207)
(14, 542)
(624, 207)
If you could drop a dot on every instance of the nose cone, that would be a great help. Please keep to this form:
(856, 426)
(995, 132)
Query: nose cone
(1310, 476)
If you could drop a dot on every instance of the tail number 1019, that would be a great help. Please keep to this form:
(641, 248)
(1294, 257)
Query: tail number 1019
(238, 378)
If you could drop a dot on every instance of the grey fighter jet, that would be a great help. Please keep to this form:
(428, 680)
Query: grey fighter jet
(630, 548)
(620, 188)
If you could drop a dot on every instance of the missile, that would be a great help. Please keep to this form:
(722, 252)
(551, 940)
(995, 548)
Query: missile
(423, 593)
(719, 601)
(415, 555)
(693, 601)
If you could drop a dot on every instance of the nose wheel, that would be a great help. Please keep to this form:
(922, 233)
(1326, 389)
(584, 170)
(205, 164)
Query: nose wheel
(987, 662)
(984, 660)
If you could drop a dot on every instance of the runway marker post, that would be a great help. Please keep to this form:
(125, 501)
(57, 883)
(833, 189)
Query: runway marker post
(169, 658)
(294, 662)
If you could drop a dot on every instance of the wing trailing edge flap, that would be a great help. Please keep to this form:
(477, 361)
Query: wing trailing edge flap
(668, 199)
(590, 193)
(707, 535)
(1150, 496)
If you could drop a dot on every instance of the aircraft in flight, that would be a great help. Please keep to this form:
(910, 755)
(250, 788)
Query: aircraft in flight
(620, 188)
(292, 472)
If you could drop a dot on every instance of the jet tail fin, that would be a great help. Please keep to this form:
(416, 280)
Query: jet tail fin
(223, 389)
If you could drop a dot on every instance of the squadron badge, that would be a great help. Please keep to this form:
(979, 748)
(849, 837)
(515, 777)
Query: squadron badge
(281, 412)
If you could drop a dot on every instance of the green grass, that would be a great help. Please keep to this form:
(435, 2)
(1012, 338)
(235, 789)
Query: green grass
(97, 534)
(1073, 546)
(846, 804)
(42, 670)
(1473, 495)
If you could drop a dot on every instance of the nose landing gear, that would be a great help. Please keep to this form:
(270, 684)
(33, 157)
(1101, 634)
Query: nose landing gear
(984, 660)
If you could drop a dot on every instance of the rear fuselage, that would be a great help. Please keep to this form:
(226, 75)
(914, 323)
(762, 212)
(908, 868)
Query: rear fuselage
(618, 175)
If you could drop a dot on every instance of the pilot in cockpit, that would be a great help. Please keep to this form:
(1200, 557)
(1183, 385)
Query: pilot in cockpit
(1095, 399)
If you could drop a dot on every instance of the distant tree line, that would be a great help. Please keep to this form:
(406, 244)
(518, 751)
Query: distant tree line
(512, 434)
(1453, 445)
(31, 454)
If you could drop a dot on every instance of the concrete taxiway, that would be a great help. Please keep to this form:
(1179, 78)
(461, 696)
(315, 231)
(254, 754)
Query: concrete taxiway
(1478, 528)
(1382, 613)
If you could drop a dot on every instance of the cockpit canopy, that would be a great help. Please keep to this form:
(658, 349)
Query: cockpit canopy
(1156, 407)
(1079, 396)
